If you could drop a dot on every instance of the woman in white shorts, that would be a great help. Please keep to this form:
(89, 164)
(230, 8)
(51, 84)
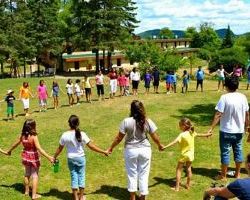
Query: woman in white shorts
(137, 152)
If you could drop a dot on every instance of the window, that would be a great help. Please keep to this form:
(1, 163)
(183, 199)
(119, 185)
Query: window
(77, 65)
(119, 61)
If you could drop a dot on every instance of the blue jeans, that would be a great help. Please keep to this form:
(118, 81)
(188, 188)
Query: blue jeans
(77, 168)
(228, 140)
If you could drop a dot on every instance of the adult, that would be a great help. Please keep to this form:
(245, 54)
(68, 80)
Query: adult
(199, 75)
(221, 77)
(156, 80)
(137, 148)
(232, 113)
(135, 78)
(99, 79)
(238, 188)
(113, 82)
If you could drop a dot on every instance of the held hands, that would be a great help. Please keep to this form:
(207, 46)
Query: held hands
(161, 147)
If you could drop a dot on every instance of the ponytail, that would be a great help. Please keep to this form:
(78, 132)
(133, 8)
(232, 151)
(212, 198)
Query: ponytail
(74, 124)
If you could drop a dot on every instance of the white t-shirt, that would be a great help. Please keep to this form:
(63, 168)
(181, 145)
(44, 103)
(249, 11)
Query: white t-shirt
(69, 88)
(234, 106)
(99, 79)
(74, 148)
(77, 88)
(135, 76)
(135, 138)
(220, 73)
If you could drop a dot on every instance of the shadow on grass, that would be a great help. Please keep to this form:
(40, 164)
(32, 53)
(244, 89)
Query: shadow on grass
(202, 114)
(16, 186)
(63, 195)
(170, 182)
(210, 173)
(114, 192)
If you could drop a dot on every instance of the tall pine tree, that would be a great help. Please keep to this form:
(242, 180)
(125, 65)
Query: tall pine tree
(228, 40)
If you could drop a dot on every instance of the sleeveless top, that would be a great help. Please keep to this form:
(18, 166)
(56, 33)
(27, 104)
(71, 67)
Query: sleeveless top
(30, 156)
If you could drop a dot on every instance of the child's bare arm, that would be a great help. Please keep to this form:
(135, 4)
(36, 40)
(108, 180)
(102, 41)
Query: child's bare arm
(204, 135)
(18, 141)
(39, 148)
(97, 149)
(171, 143)
(4, 152)
(58, 151)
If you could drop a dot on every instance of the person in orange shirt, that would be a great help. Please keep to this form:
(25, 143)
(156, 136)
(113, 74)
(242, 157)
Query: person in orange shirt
(24, 96)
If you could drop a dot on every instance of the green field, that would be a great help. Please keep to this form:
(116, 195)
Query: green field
(106, 178)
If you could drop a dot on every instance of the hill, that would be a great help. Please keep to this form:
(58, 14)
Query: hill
(179, 33)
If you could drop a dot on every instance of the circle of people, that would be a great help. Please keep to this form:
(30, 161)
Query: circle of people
(232, 111)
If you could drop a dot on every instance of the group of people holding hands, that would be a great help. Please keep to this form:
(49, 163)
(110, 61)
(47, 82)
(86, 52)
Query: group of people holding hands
(232, 111)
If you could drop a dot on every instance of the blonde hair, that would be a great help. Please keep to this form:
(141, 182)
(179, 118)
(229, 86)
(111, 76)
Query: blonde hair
(187, 124)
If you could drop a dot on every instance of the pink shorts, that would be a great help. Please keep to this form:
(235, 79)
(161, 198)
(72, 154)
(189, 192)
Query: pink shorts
(31, 171)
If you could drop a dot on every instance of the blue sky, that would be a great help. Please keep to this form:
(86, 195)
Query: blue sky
(180, 14)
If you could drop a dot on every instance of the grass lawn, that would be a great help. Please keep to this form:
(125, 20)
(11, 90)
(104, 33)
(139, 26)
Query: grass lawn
(106, 178)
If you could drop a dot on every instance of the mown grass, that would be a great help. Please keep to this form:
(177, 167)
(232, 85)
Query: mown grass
(106, 178)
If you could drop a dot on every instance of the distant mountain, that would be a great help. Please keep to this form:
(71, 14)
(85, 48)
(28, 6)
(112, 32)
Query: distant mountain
(179, 33)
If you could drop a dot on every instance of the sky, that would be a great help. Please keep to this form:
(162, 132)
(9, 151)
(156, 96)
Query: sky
(180, 14)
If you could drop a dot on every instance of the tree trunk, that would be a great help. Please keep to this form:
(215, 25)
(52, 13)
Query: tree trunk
(97, 63)
(109, 60)
(24, 68)
(103, 57)
(2, 70)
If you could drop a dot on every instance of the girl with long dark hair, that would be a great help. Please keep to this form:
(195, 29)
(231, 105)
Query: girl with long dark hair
(74, 140)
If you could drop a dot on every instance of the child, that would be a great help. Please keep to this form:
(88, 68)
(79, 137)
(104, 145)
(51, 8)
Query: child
(174, 78)
(186, 142)
(24, 96)
(185, 81)
(87, 87)
(77, 91)
(121, 83)
(10, 104)
(55, 93)
(99, 79)
(169, 81)
(42, 94)
(70, 92)
(30, 155)
(126, 88)
(147, 79)
(74, 140)
(248, 77)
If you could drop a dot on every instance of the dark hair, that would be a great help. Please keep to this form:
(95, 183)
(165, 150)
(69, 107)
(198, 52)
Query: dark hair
(68, 82)
(232, 83)
(248, 158)
(78, 81)
(134, 69)
(137, 111)
(25, 84)
(74, 123)
(40, 82)
(187, 123)
(29, 128)
(55, 83)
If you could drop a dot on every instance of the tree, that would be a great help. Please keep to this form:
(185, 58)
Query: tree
(228, 41)
(103, 24)
(166, 33)
(229, 57)
(190, 32)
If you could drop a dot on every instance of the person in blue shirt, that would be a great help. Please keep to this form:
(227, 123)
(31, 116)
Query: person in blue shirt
(156, 79)
(200, 75)
(169, 81)
(174, 77)
(248, 77)
(239, 188)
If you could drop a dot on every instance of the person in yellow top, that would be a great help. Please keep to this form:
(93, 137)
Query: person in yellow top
(24, 96)
(186, 143)
(86, 86)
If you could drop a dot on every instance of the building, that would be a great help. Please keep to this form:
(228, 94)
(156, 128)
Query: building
(86, 60)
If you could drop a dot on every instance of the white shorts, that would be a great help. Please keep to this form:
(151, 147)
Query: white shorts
(42, 102)
(26, 103)
(113, 85)
(137, 162)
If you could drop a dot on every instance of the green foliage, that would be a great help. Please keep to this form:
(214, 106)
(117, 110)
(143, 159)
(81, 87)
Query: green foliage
(228, 41)
(229, 57)
(190, 32)
(166, 33)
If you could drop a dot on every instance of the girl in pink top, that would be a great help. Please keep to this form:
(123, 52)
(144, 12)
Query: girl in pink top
(121, 82)
(126, 88)
(30, 155)
(42, 94)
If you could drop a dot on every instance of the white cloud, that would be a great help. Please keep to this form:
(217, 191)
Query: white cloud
(180, 14)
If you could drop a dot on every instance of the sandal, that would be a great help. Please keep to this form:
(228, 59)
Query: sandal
(37, 196)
